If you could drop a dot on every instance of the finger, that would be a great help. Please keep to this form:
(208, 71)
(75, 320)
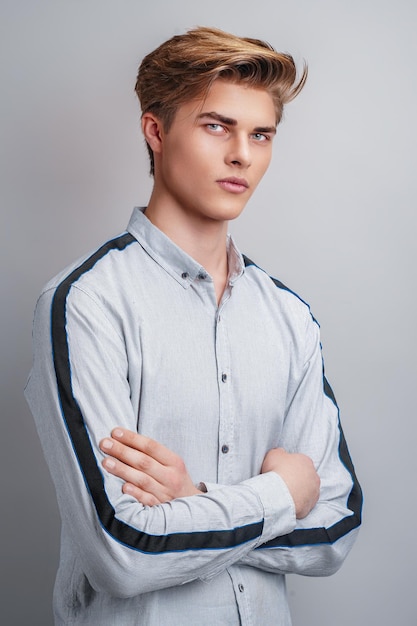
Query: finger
(130, 456)
(144, 444)
(134, 458)
(133, 476)
(147, 499)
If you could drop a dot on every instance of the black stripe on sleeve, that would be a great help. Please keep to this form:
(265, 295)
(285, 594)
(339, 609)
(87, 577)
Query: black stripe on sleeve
(315, 536)
(122, 532)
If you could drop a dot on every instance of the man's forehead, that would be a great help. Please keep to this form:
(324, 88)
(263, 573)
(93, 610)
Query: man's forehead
(229, 102)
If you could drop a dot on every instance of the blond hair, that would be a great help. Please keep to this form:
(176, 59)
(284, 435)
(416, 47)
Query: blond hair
(184, 68)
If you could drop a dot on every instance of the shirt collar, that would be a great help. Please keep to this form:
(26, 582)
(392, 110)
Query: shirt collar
(172, 258)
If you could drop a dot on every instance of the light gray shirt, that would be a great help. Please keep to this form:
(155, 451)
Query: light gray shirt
(132, 336)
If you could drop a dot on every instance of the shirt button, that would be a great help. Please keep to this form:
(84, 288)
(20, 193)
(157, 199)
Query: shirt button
(224, 378)
(184, 275)
(225, 449)
(202, 276)
(241, 588)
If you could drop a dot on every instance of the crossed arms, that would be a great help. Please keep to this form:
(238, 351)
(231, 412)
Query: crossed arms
(79, 390)
(153, 474)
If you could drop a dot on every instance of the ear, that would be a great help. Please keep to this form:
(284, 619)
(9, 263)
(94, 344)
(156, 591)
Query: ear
(152, 131)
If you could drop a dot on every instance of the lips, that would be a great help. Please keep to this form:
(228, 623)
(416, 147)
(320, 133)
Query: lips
(233, 184)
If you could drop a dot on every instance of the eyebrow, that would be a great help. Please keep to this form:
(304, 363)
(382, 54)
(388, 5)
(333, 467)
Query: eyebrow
(229, 121)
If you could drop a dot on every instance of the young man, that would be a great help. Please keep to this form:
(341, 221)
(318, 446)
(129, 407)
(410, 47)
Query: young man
(178, 390)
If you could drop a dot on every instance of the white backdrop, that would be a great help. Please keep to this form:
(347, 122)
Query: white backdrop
(334, 219)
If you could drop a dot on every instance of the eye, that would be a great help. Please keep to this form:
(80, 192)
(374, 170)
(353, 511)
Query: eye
(215, 128)
(261, 137)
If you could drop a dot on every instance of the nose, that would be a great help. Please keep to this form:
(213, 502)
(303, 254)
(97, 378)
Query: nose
(239, 152)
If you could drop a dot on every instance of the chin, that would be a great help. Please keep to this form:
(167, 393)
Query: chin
(227, 213)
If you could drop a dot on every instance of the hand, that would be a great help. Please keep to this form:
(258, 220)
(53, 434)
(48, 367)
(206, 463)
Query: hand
(300, 476)
(152, 473)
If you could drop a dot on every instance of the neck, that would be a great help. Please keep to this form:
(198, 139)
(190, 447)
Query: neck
(204, 239)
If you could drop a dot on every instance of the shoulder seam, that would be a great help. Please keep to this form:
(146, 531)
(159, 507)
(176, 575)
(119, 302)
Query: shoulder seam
(280, 285)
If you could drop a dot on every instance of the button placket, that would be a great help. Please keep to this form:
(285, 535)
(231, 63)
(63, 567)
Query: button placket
(226, 418)
(243, 596)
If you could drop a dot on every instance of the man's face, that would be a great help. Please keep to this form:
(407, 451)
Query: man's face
(216, 152)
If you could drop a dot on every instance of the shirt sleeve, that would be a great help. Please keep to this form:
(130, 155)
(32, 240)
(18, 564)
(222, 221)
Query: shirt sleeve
(320, 542)
(78, 391)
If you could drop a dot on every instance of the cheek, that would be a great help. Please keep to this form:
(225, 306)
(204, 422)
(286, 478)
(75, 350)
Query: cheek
(176, 162)
(263, 164)
(197, 162)
(189, 157)
(188, 170)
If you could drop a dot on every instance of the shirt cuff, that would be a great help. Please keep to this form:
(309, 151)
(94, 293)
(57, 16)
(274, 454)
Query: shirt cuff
(208, 486)
(277, 503)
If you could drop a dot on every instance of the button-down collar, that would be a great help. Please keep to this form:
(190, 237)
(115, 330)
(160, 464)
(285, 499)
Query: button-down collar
(177, 263)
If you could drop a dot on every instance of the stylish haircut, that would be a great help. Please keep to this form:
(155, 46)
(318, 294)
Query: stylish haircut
(184, 68)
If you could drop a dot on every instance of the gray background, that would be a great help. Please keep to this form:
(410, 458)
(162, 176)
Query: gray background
(334, 218)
